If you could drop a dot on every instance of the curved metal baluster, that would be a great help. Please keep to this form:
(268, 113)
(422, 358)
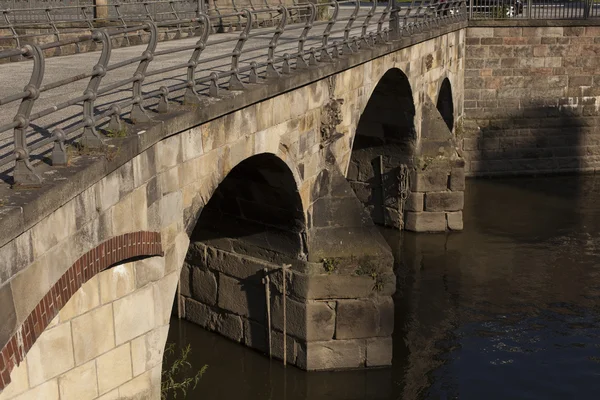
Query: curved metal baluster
(24, 173)
(122, 20)
(86, 17)
(53, 25)
(176, 16)
(239, 17)
(218, 11)
(271, 71)
(300, 61)
(149, 15)
(406, 25)
(324, 56)
(138, 113)
(235, 83)
(271, 18)
(90, 137)
(364, 38)
(380, 35)
(346, 48)
(190, 95)
(12, 28)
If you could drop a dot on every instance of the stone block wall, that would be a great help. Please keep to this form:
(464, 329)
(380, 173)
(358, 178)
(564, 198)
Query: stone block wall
(436, 198)
(106, 342)
(532, 99)
(338, 320)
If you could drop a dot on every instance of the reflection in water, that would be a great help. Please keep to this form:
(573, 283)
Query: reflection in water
(507, 309)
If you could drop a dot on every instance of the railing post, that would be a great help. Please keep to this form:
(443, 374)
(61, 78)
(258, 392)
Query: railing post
(325, 56)
(138, 114)
(90, 137)
(395, 21)
(346, 47)
(24, 173)
(528, 8)
(271, 70)
(190, 95)
(300, 61)
(235, 83)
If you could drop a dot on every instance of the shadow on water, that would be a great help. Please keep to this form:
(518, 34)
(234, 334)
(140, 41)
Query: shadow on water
(508, 308)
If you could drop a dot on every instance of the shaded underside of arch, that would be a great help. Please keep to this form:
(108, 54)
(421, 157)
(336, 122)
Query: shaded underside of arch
(385, 140)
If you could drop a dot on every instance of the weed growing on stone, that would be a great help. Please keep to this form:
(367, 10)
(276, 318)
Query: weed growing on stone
(366, 268)
(330, 264)
(121, 133)
(173, 378)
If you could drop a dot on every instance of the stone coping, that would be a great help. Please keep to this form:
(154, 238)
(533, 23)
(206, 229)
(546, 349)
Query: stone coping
(513, 22)
(114, 250)
(23, 208)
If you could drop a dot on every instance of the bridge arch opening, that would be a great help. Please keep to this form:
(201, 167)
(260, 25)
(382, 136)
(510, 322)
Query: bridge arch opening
(253, 223)
(445, 104)
(385, 141)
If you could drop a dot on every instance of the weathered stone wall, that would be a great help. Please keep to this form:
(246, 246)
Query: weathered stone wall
(532, 97)
(106, 342)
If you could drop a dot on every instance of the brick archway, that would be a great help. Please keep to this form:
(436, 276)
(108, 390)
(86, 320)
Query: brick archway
(118, 248)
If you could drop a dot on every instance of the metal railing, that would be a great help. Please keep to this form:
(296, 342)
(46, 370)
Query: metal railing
(533, 9)
(54, 109)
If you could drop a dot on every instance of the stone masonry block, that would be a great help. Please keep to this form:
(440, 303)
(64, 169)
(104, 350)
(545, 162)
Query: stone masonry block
(241, 298)
(313, 320)
(385, 314)
(56, 341)
(356, 319)
(335, 354)
(134, 314)
(230, 326)
(199, 314)
(379, 352)
(149, 270)
(19, 382)
(457, 179)
(429, 180)
(255, 335)
(414, 202)
(116, 282)
(8, 315)
(444, 201)
(147, 350)
(114, 368)
(335, 286)
(455, 220)
(203, 286)
(93, 334)
(79, 383)
(47, 391)
(425, 221)
(239, 266)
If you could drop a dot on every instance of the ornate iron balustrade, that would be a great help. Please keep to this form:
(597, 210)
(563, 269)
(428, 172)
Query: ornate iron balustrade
(294, 40)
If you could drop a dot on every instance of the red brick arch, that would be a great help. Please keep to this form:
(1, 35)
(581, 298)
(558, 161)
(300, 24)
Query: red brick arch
(112, 251)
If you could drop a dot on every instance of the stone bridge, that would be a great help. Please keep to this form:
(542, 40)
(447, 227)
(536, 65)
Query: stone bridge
(193, 212)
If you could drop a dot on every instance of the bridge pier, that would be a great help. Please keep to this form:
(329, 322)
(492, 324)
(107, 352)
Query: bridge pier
(338, 289)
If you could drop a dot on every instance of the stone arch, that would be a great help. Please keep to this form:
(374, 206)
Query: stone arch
(69, 292)
(253, 223)
(445, 103)
(385, 139)
(259, 193)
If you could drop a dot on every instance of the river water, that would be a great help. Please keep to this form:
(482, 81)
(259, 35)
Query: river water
(507, 309)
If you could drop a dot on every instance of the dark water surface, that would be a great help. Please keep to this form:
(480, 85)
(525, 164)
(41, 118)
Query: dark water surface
(507, 309)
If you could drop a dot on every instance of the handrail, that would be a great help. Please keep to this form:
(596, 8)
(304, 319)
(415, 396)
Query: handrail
(259, 51)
